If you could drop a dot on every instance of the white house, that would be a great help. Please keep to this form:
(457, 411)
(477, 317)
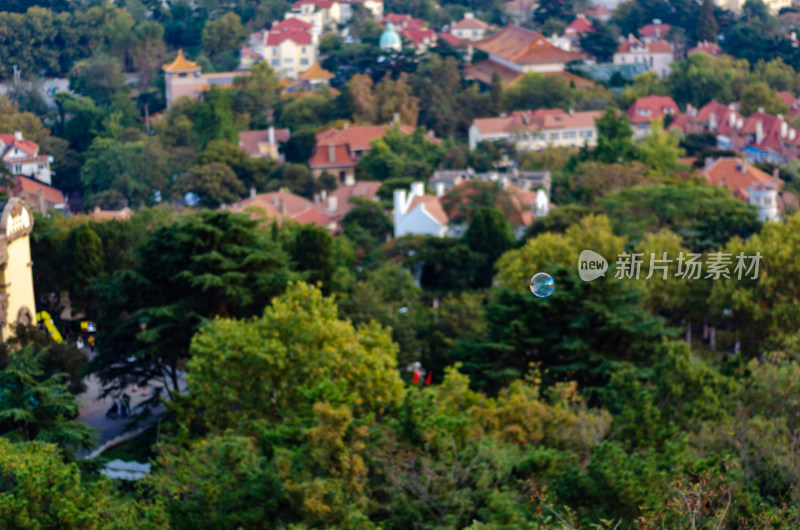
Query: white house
(658, 56)
(321, 14)
(22, 157)
(417, 213)
(289, 47)
(470, 28)
(765, 198)
(536, 130)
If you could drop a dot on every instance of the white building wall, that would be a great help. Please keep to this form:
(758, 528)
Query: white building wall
(418, 222)
(660, 63)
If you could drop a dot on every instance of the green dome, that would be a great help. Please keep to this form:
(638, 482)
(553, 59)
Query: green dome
(390, 39)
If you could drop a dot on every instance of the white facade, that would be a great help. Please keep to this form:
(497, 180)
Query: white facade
(542, 205)
(658, 61)
(532, 138)
(22, 158)
(418, 219)
(469, 28)
(765, 198)
(326, 15)
(346, 9)
(291, 53)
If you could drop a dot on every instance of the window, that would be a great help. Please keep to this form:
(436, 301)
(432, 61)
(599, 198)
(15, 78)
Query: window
(276, 62)
(274, 51)
(474, 33)
(16, 168)
(569, 134)
(182, 74)
(651, 61)
(553, 136)
(303, 49)
(304, 60)
(288, 60)
(341, 176)
(41, 166)
(587, 134)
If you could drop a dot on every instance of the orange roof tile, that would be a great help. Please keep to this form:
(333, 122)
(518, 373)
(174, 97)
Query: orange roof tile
(10, 141)
(737, 175)
(508, 42)
(181, 63)
(358, 137)
(541, 51)
(331, 156)
(250, 140)
(470, 23)
(540, 120)
(432, 206)
(292, 24)
(33, 187)
(650, 108)
(315, 72)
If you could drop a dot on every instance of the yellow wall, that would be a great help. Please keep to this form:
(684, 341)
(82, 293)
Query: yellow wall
(17, 275)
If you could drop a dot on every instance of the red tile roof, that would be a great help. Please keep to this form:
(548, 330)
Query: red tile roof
(247, 52)
(710, 48)
(787, 97)
(249, 140)
(650, 108)
(541, 51)
(737, 175)
(24, 145)
(292, 24)
(431, 205)
(316, 215)
(579, 26)
(358, 137)
(652, 47)
(32, 187)
(404, 21)
(540, 120)
(470, 23)
(419, 36)
(654, 31)
(319, 4)
(321, 157)
(451, 39)
(299, 37)
(508, 42)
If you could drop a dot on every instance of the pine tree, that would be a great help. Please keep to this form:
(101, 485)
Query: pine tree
(706, 24)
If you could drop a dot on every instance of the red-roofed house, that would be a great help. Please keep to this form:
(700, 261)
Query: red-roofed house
(320, 14)
(289, 48)
(38, 195)
(658, 56)
(709, 48)
(654, 32)
(536, 130)
(417, 213)
(747, 183)
(469, 28)
(645, 110)
(327, 212)
(403, 22)
(339, 150)
(788, 98)
(420, 39)
(450, 39)
(578, 27)
(516, 50)
(22, 157)
(263, 144)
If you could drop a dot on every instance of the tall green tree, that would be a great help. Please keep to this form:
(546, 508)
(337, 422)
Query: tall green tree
(488, 234)
(707, 29)
(39, 408)
(201, 266)
(87, 266)
(221, 39)
(311, 253)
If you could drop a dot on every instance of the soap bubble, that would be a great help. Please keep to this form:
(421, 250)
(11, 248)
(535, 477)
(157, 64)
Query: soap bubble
(542, 284)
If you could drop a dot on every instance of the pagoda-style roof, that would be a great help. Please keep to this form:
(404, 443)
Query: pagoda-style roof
(181, 64)
(315, 72)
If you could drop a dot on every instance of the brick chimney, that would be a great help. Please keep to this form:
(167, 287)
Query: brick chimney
(331, 152)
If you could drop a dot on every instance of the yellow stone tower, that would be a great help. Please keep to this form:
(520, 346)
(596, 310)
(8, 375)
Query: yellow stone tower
(17, 301)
